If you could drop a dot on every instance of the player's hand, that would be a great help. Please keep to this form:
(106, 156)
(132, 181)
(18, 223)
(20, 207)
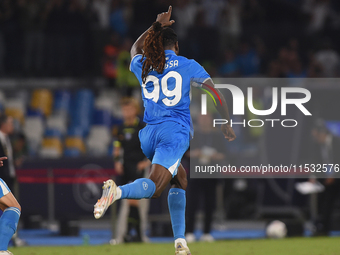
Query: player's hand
(228, 132)
(119, 168)
(164, 18)
(1, 161)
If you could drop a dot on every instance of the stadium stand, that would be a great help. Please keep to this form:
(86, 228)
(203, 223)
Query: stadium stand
(61, 122)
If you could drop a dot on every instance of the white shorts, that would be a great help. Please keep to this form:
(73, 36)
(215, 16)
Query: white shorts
(4, 190)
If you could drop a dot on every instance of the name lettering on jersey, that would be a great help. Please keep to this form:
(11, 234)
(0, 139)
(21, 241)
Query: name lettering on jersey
(171, 63)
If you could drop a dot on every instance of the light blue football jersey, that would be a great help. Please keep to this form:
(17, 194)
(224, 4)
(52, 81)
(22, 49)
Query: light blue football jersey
(166, 96)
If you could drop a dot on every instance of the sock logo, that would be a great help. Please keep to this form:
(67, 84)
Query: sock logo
(145, 185)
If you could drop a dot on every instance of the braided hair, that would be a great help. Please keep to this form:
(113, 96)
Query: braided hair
(153, 50)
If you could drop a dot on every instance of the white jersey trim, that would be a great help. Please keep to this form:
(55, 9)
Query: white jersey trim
(209, 78)
(132, 59)
(4, 189)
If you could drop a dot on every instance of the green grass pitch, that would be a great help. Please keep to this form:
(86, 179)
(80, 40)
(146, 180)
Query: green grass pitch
(288, 246)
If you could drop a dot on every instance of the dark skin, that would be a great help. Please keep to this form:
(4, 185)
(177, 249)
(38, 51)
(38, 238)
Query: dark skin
(226, 129)
(159, 174)
(164, 19)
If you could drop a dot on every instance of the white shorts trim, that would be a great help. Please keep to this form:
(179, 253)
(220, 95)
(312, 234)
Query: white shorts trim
(3, 189)
(173, 168)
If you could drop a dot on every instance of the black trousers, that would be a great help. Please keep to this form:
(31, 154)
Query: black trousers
(326, 205)
(130, 173)
(200, 191)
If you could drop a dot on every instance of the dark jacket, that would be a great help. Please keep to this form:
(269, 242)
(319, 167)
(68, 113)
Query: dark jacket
(4, 170)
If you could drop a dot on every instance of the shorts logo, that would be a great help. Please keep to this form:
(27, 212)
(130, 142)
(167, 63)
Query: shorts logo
(145, 186)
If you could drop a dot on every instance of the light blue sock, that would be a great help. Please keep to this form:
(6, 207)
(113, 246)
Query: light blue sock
(8, 226)
(140, 188)
(176, 202)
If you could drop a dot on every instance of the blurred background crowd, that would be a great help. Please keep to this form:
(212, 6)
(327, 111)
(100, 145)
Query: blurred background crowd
(91, 39)
(280, 38)
(64, 67)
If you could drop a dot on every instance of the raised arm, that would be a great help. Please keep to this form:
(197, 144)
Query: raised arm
(164, 19)
(223, 110)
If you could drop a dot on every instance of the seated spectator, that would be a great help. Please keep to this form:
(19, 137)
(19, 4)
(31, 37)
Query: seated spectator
(126, 80)
(248, 60)
(229, 67)
(184, 14)
(101, 9)
(296, 70)
(111, 51)
(329, 59)
(275, 70)
(314, 68)
(117, 18)
(283, 60)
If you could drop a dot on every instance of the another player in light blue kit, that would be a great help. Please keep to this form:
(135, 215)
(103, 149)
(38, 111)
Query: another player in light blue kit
(165, 78)
(10, 217)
